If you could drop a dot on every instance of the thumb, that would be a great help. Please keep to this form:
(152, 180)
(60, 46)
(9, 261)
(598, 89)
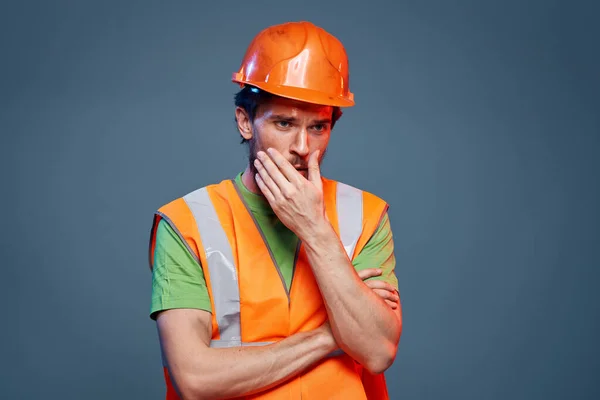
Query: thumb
(314, 173)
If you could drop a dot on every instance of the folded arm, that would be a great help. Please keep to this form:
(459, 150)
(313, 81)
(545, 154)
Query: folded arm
(201, 372)
(180, 305)
(362, 324)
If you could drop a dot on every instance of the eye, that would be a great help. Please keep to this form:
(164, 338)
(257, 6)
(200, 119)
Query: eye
(283, 124)
(320, 127)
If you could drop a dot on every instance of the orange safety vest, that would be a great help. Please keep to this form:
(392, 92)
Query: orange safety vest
(249, 299)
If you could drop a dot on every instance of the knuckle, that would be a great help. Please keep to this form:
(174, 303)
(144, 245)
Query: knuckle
(290, 193)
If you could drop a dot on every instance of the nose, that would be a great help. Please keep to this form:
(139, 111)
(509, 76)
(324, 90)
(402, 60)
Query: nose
(300, 144)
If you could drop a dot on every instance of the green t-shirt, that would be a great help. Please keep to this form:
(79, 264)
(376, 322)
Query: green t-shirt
(178, 280)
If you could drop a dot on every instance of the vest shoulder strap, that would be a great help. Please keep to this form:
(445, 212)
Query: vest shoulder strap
(357, 214)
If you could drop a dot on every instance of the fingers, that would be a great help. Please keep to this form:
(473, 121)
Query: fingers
(377, 284)
(276, 162)
(263, 188)
(314, 173)
(369, 273)
(383, 289)
(392, 304)
(270, 172)
(387, 295)
(267, 179)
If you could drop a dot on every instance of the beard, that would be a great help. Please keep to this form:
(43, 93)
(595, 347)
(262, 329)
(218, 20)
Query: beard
(253, 149)
(254, 146)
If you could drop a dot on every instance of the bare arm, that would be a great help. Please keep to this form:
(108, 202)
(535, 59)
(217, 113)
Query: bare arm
(201, 372)
(361, 322)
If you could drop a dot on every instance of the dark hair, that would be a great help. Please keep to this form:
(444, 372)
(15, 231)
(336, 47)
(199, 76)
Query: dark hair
(250, 97)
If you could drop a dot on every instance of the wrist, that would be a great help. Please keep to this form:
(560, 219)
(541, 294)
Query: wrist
(317, 232)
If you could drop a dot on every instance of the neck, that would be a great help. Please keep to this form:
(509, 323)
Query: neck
(249, 182)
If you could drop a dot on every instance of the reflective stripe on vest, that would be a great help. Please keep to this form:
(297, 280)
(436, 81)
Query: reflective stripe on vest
(349, 202)
(222, 270)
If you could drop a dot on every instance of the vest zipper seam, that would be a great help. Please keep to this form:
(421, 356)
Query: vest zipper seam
(294, 265)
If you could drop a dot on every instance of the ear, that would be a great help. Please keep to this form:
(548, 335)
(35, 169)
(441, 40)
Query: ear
(243, 122)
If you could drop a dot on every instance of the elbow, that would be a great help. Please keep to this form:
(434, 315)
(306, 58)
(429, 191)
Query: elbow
(380, 362)
(188, 389)
(192, 387)
(378, 365)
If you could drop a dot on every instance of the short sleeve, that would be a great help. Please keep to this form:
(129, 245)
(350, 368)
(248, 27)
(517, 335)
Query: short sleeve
(379, 253)
(177, 277)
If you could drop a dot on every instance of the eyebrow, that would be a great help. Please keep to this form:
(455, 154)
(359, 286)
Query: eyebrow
(287, 118)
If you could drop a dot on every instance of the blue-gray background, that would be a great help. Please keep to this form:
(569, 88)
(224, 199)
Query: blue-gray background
(477, 120)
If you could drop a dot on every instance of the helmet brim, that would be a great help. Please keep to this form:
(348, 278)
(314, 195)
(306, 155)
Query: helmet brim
(301, 94)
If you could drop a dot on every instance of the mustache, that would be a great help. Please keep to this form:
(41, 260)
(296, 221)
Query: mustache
(299, 165)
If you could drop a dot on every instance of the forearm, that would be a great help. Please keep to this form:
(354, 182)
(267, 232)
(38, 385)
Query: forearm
(363, 324)
(231, 372)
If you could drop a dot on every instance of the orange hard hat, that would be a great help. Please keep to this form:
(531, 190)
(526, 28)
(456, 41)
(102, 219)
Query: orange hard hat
(300, 61)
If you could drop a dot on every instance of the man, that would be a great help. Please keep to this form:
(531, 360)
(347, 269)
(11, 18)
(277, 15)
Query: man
(278, 284)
